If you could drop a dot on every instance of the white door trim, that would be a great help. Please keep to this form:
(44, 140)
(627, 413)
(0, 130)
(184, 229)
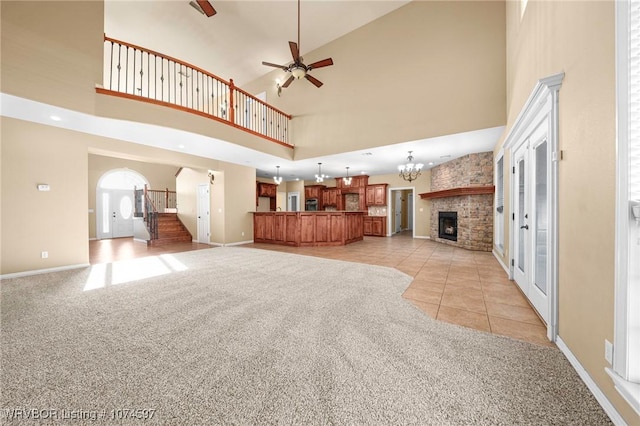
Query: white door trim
(542, 104)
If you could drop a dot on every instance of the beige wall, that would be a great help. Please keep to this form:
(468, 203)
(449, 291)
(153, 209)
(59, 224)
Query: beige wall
(48, 41)
(160, 177)
(239, 202)
(33, 221)
(577, 38)
(429, 68)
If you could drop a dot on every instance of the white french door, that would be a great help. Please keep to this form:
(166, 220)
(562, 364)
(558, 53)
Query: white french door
(114, 213)
(531, 208)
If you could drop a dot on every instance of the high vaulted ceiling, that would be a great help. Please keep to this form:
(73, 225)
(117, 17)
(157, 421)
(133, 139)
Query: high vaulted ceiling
(233, 43)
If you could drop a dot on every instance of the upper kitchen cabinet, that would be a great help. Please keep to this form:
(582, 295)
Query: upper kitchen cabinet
(376, 195)
(357, 182)
(313, 191)
(267, 189)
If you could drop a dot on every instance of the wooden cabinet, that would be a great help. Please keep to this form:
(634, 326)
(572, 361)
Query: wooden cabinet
(357, 182)
(313, 191)
(376, 195)
(375, 226)
(267, 189)
(307, 228)
(330, 197)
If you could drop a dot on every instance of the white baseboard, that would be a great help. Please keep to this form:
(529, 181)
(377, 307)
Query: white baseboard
(239, 243)
(140, 240)
(498, 258)
(43, 271)
(607, 406)
(422, 237)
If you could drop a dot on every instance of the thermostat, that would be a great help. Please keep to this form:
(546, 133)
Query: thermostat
(43, 187)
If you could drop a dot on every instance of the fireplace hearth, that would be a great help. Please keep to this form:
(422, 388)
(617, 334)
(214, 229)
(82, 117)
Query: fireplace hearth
(448, 225)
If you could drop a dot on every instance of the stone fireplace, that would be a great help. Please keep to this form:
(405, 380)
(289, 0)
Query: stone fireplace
(463, 188)
(448, 225)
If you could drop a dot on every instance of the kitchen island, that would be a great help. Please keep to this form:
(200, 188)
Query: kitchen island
(308, 229)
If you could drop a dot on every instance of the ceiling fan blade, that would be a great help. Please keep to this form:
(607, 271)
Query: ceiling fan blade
(294, 51)
(206, 8)
(269, 64)
(314, 80)
(320, 64)
(288, 82)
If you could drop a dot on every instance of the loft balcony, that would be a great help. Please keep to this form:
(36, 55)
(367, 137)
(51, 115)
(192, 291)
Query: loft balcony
(134, 72)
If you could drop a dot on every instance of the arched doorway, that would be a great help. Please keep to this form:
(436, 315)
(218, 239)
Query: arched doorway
(115, 202)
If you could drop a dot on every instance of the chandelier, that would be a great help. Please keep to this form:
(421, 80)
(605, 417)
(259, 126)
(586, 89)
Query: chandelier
(277, 178)
(320, 177)
(410, 171)
(347, 180)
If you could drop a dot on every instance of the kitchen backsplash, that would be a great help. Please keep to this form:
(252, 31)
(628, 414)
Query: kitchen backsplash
(378, 211)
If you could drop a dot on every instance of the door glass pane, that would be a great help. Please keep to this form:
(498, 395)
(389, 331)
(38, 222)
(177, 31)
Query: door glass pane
(542, 220)
(126, 207)
(106, 217)
(521, 214)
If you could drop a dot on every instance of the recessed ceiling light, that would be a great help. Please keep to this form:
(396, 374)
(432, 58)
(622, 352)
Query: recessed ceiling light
(431, 163)
(181, 146)
(55, 117)
(297, 179)
(362, 172)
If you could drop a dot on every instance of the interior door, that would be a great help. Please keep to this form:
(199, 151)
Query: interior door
(203, 213)
(293, 201)
(115, 213)
(398, 210)
(531, 220)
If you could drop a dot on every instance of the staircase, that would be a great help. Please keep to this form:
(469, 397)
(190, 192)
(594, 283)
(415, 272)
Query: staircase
(170, 230)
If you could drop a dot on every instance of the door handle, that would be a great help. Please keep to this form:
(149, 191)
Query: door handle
(524, 227)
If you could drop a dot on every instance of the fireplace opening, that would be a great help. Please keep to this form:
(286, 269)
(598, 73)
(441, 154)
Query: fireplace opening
(448, 225)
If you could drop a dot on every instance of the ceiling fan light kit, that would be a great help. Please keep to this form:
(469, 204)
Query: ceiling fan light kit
(297, 68)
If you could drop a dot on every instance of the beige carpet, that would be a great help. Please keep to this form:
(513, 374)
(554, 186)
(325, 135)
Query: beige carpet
(244, 336)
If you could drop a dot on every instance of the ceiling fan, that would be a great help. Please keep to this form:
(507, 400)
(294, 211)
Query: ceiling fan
(204, 7)
(298, 69)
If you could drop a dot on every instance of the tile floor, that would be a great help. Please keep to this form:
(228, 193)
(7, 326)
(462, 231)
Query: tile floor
(462, 287)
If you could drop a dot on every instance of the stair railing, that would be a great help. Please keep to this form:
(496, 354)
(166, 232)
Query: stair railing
(150, 215)
(163, 199)
(135, 72)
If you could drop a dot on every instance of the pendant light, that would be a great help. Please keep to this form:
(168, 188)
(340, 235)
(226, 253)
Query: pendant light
(320, 177)
(347, 180)
(277, 178)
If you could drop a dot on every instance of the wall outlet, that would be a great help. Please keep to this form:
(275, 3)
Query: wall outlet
(44, 254)
(243, 233)
(608, 351)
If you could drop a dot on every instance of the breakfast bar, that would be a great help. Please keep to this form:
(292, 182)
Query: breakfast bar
(308, 229)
